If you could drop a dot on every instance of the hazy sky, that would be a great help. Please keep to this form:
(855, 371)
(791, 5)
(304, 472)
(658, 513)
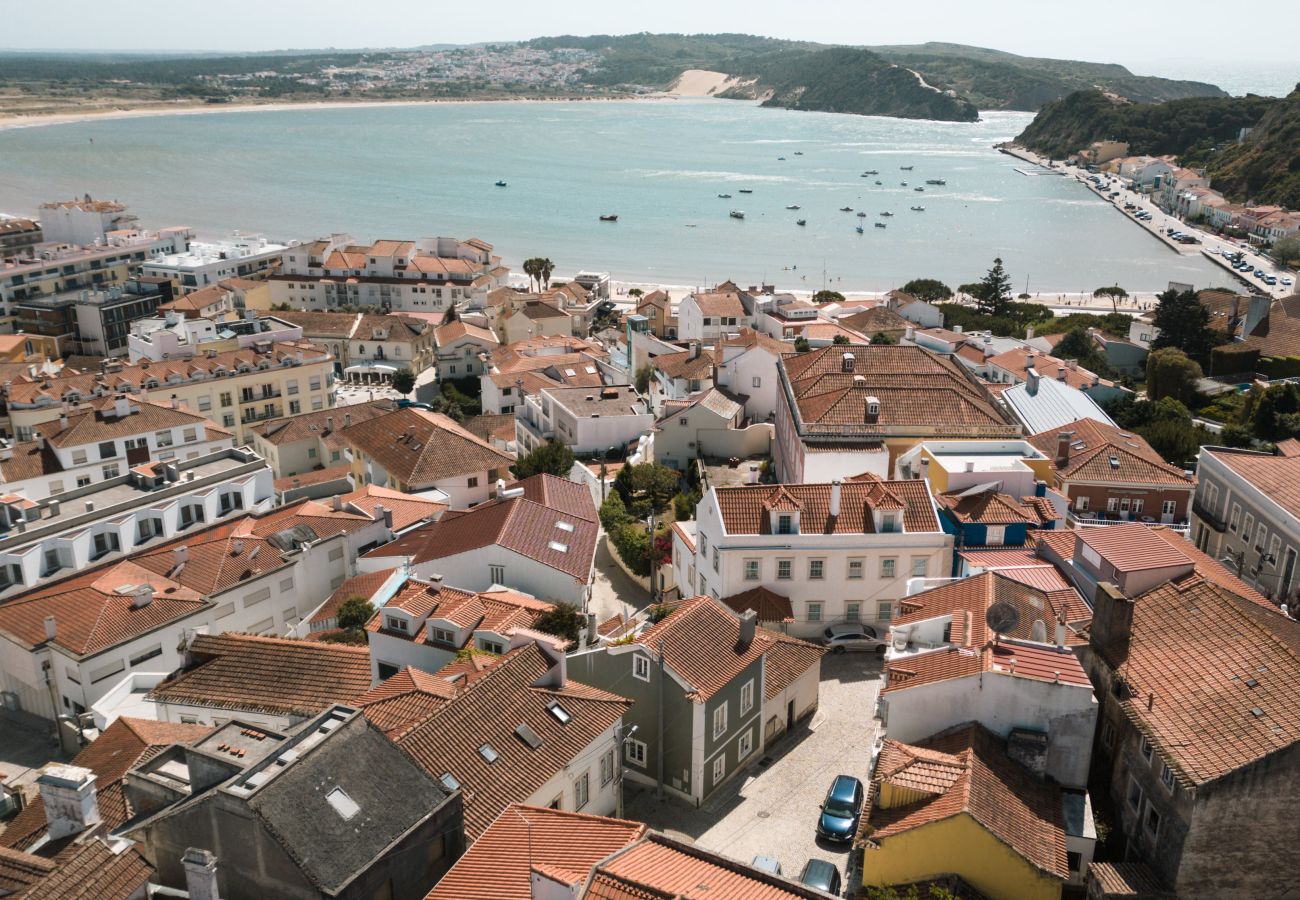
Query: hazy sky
(1103, 30)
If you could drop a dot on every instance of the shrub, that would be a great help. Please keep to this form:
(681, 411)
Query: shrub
(613, 514)
(354, 613)
(564, 620)
(632, 544)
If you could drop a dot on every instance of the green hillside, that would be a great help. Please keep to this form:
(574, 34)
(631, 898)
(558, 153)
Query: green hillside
(1266, 165)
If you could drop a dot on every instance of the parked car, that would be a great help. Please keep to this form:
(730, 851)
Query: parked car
(769, 864)
(821, 875)
(840, 810)
(846, 636)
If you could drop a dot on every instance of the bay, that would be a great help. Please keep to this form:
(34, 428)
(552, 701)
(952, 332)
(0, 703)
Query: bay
(425, 170)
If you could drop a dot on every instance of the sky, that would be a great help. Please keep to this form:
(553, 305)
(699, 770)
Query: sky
(1122, 31)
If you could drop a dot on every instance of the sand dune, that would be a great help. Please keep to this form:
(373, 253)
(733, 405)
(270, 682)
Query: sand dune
(701, 83)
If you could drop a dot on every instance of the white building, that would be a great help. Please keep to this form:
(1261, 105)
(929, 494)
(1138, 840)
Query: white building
(745, 364)
(588, 419)
(839, 552)
(956, 465)
(707, 315)
(708, 425)
(461, 348)
(205, 263)
(83, 222)
(172, 336)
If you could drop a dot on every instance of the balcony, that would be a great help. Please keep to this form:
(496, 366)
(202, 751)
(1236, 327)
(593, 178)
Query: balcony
(250, 417)
(1208, 516)
(1103, 520)
(257, 398)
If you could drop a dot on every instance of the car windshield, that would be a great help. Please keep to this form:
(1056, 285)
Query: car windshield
(839, 808)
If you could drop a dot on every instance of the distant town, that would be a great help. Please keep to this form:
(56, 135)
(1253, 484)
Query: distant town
(339, 566)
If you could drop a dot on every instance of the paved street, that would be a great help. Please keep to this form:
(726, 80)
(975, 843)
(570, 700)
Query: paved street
(612, 592)
(772, 809)
(26, 744)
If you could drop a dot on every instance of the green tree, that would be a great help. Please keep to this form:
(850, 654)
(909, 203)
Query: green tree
(613, 513)
(544, 270)
(552, 458)
(1171, 373)
(563, 620)
(993, 293)
(1184, 324)
(643, 376)
(1274, 413)
(1114, 292)
(1287, 250)
(403, 381)
(1077, 345)
(635, 292)
(880, 338)
(840, 339)
(354, 613)
(828, 297)
(931, 290)
(451, 315)
(533, 269)
(646, 487)
(801, 344)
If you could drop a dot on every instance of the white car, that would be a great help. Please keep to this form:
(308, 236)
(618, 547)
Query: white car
(854, 637)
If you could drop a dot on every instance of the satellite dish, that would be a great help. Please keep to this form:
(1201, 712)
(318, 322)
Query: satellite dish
(1002, 617)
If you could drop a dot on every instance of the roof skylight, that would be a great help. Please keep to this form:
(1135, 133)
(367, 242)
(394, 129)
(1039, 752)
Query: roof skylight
(488, 753)
(344, 805)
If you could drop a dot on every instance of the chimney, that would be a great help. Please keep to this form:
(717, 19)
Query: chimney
(1112, 624)
(143, 597)
(957, 329)
(1029, 360)
(1031, 382)
(748, 627)
(384, 514)
(1029, 332)
(121, 407)
(835, 498)
(1060, 631)
(910, 333)
(1060, 374)
(71, 806)
(51, 628)
(1072, 364)
(40, 441)
(180, 554)
(1040, 487)
(970, 465)
(872, 410)
(1063, 448)
(329, 424)
(694, 352)
(1256, 312)
(90, 506)
(336, 503)
(592, 634)
(200, 874)
(63, 423)
(53, 507)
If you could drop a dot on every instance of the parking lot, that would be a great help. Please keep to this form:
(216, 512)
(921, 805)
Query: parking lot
(771, 809)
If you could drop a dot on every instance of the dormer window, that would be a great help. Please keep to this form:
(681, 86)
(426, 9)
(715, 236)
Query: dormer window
(847, 362)
(889, 523)
(785, 524)
(393, 623)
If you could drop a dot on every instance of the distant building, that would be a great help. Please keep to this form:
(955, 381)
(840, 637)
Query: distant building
(707, 315)
(312, 440)
(206, 263)
(460, 347)
(93, 323)
(18, 236)
(589, 420)
(1044, 404)
(85, 221)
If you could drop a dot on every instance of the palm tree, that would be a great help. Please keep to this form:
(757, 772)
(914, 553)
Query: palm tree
(545, 268)
(533, 269)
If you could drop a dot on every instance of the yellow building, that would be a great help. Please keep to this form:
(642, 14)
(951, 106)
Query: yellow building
(28, 348)
(956, 804)
(956, 465)
(237, 389)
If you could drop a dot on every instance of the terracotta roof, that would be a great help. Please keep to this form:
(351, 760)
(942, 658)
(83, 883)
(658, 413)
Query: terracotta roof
(876, 319)
(1013, 361)
(492, 426)
(719, 303)
(324, 424)
(1211, 569)
(405, 699)
(969, 599)
(527, 525)
(770, 606)
(272, 675)
(1211, 678)
(407, 509)
(394, 327)
(363, 585)
(121, 746)
(1276, 477)
(101, 425)
(451, 332)
(743, 507)
(487, 711)
(569, 842)
(990, 507)
(1021, 564)
(327, 325)
(499, 612)
(966, 771)
(94, 871)
(748, 338)
(18, 870)
(915, 388)
(1133, 878)
(683, 365)
(420, 448)
(1279, 334)
(341, 472)
(786, 661)
(1110, 455)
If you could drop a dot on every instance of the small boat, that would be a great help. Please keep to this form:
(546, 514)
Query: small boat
(881, 225)
(862, 215)
(918, 188)
(793, 206)
(501, 184)
(846, 209)
(903, 183)
(886, 214)
(801, 222)
(609, 218)
(737, 214)
(918, 209)
(935, 181)
(871, 172)
(877, 182)
(746, 191)
(859, 229)
(780, 157)
(725, 196)
(798, 153)
(907, 168)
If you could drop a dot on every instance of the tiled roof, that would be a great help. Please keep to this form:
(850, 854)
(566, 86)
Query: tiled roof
(1023, 565)
(785, 661)
(499, 612)
(1211, 678)
(323, 423)
(18, 870)
(339, 473)
(395, 327)
(121, 746)
(327, 325)
(770, 606)
(749, 338)
(990, 507)
(966, 770)
(1279, 333)
(419, 447)
(1132, 547)
(1211, 569)
(915, 388)
(1016, 658)
(363, 585)
(974, 595)
(1104, 453)
(876, 319)
(719, 303)
(527, 525)
(454, 331)
(94, 871)
(407, 509)
(1133, 878)
(404, 700)
(1046, 366)
(1277, 477)
(743, 507)
(491, 426)
(495, 869)
(101, 425)
(487, 711)
(271, 675)
(683, 365)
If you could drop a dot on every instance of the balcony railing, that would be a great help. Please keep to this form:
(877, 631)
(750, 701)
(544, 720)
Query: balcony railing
(254, 398)
(1209, 516)
(1100, 520)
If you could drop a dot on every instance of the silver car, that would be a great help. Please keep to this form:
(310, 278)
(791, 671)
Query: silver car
(853, 636)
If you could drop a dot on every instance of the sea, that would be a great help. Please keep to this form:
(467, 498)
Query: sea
(660, 166)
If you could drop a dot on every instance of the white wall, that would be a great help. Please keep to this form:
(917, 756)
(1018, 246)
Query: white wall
(821, 467)
(739, 375)
(803, 691)
(470, 571)
(602, 799)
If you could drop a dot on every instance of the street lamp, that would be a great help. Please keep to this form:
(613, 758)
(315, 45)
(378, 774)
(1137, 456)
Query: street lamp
(618, 780)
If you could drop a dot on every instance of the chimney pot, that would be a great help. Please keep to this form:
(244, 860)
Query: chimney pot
(748, 628)
(200, 874)
(835, 498)
(1063, 447)
(71, 806)
(51, 628)
(143, 597)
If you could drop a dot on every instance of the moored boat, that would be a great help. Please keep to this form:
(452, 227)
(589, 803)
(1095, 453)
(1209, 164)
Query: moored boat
(880, 225)
(501, 184)
(737, 214)
(801, 222)
(935, 181)
(609, 218)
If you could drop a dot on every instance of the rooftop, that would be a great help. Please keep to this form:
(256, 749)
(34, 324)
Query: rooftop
(604, 401)
(419, 447)
(1276, 477)
(1098, 451)
(744, 508)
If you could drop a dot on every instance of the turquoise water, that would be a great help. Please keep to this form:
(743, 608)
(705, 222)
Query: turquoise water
(401, 172)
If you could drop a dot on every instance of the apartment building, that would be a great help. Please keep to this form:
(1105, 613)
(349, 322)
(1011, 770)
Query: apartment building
(365, 343)
(84, 221)
(104, 443)
(91, 322)
(589, 420)
(708, 315)
(205, 263)
(238, 389)
(461, 348)
(838, 552)
(17, 236)
(171, 336)
(313, 440)
(427, 275)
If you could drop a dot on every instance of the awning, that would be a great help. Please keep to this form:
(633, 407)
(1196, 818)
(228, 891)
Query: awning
(362, 369)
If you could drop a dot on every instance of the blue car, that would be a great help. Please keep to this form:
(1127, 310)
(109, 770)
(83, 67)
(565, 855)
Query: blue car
(838, 821)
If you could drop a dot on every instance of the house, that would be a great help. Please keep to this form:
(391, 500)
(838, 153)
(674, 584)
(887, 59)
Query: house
(984, 516)
(313, 440)
(959, 803)
(661, 313)
(1123, 355)
(1247, 511)
(729, 687)
(533, 319)
(1197, 736)
(878, 320)
(1014, 465)
(676, 376)
(1043, 404)
(210, 302)
(586, 419)
(707, 425)
(1015, 367)
(1025, 684)
(460, 348)
(854, 408)
(707, 315)
(413, 450)
(267, 682)
(1099, 152)
(519, 730)
(381, 342)
(426, 624)
(745, 364)
(100, 444)
(538, 537)
(1276, 333)
(526, 367)
(1111, 474)
(172, 336)
(261, 813)
(207, 263)
(87, 864)
(915, 310)
(842, 551)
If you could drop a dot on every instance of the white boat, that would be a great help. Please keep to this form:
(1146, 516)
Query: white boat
(737, 214)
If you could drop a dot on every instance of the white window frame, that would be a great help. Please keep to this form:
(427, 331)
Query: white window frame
(719, 769)
(745, 745)
(753, 569)
(634, 752)
(581, 791)
(856, 569)
(747, 696)
(889, 567)
(720, 719)
(641, 667)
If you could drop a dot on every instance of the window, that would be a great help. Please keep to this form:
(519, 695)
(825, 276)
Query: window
(784, 525)
(1146, 749)
(1137, 505)
(107, 450)
(497, 574)
(190, 435)
(105, 542)
(1167, 508)
(745, 745)
(52, 563)
(920, 566)
(783, 568)
(641, 667)
(488, 753)
(747, 696)
(78, 457)
(720, 720)
(888, 523)
(885, 610)
(751, 570)
(719, 769)
(294, 407)
(582, 791)
(634, 752)
(227, 399)
(559, 713)
(1107, 735)
(715, 559)
(443, 635)
(887, 567)
(1246, 528)
(704, 546)
(814, 611)
(163, 438)
(1112, 504)
(257, 597)
(491, 646)
(853, 612)
(606, 768)
(473, 482)
(1235, 519)
(855, 569)
(1152, 821)
(111, 471)
(146, 654)
(756, 381)
(1134, 794)
(816, 569)
(205, 403)
(395, 623)
(995, 535)
(1081, 503)
(1167, 778)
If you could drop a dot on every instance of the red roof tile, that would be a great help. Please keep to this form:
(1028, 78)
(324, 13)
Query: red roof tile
(743, 507)
(419, 447)
(1104, 453)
